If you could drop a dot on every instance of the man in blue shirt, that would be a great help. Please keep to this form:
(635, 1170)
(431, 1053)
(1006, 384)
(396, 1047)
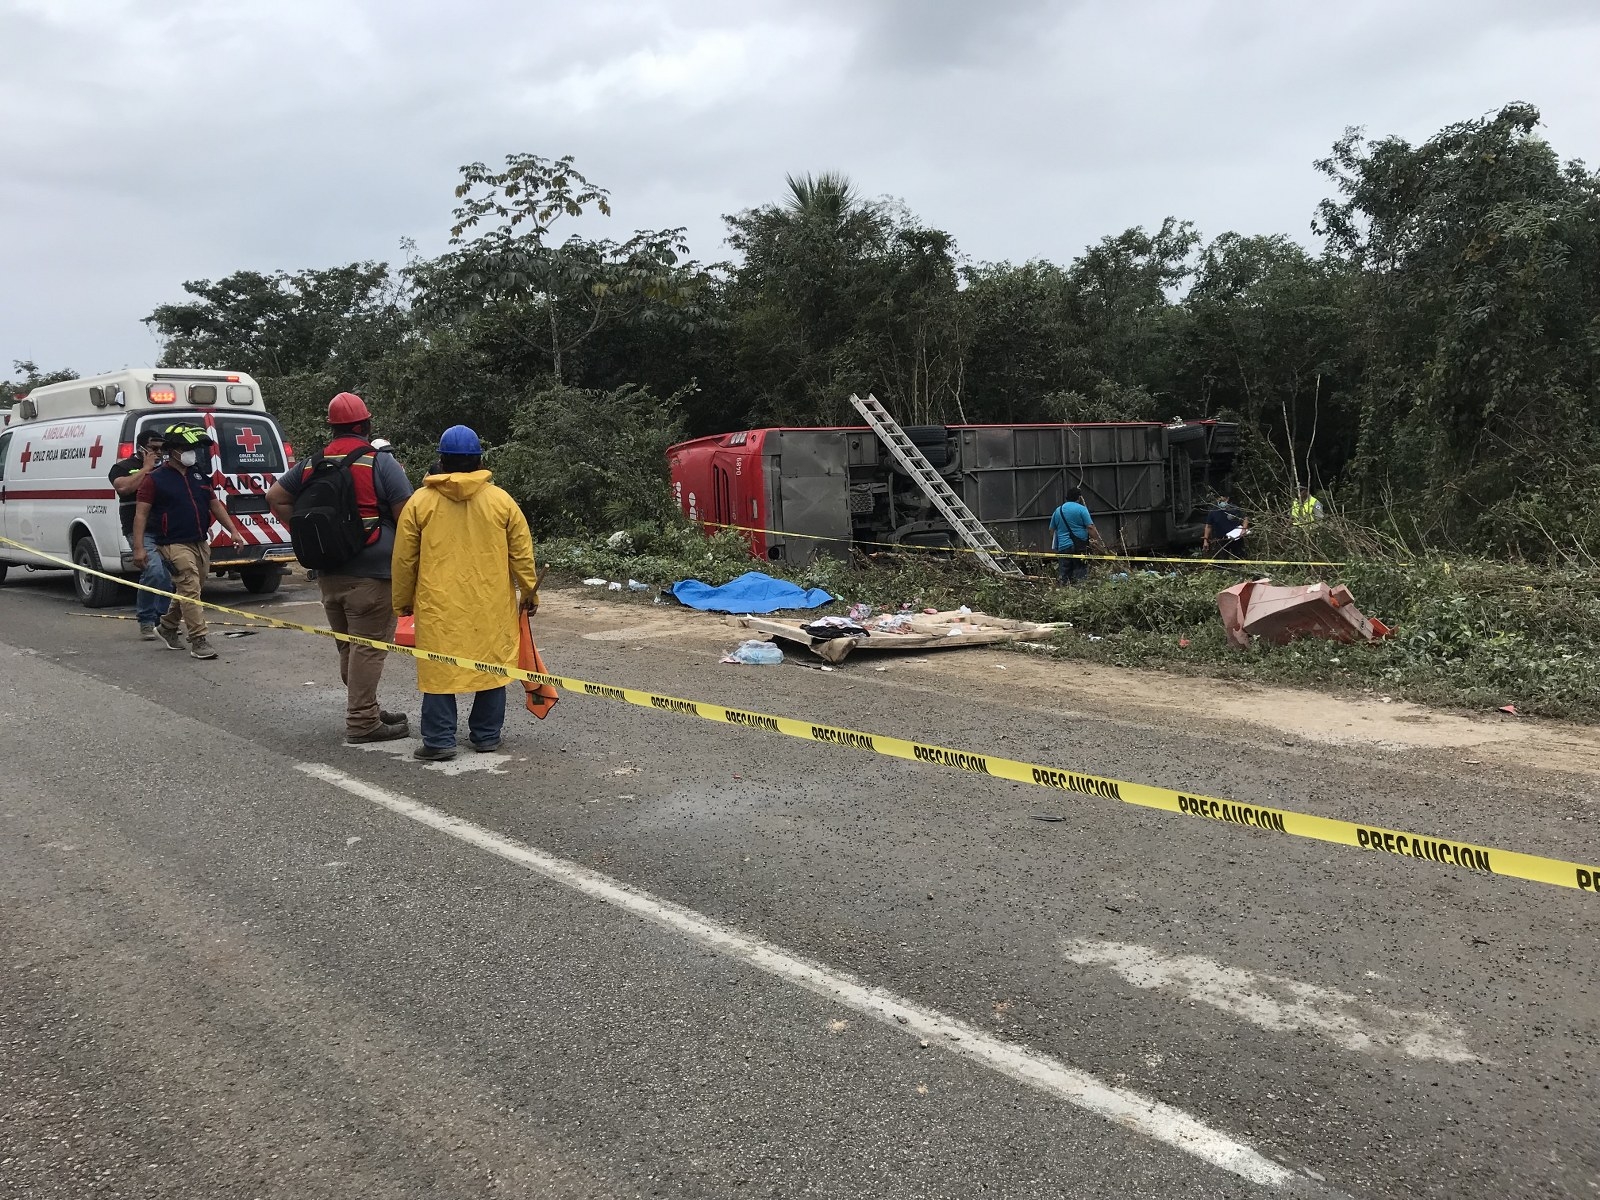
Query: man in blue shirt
(1225, 529)
(1074, 531)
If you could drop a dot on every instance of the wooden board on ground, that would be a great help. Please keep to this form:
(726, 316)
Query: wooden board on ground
(924, 632)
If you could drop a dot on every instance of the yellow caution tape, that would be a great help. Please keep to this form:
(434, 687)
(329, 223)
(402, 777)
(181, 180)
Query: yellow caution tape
(121, 617)
(1125, 558)
(1487, 860)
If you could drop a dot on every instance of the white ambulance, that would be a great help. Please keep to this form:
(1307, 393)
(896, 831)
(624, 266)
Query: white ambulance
(58, 447)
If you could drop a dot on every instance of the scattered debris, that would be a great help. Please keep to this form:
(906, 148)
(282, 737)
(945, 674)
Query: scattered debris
(620, 541)
(635, 586)
(1510, 708)
(832, 627)
(594, 583)
(1047, 817)
(238, 633)
(834, 638)
(754, 653)
(1256, 608)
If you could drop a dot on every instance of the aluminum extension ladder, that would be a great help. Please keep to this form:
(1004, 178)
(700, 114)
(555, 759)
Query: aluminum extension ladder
(968, 528)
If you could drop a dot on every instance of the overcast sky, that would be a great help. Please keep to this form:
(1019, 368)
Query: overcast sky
(146, 142)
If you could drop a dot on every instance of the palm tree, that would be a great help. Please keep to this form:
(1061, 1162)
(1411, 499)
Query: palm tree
(829, 196)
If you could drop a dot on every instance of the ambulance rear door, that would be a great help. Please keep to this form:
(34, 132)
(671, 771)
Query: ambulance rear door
(249, 457)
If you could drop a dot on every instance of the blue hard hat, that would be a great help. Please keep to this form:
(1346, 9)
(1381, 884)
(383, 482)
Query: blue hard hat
(460, 439)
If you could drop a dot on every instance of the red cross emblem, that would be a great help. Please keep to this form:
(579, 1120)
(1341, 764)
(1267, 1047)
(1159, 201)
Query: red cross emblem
(249, 439)
(95, 451)
(27, 456)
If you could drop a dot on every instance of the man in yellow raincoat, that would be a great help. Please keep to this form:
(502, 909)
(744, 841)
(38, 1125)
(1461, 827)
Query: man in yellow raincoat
(463, 564)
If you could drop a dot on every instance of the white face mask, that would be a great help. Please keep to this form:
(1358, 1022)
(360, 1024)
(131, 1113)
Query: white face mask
(188, 458)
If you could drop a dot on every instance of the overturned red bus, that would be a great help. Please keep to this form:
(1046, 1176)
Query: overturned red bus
(797, 491)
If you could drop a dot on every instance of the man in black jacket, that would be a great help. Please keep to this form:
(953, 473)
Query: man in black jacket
(175, 507)
(126, 476)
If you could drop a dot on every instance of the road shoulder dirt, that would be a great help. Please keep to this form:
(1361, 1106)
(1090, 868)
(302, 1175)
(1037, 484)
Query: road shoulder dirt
(1225, 708)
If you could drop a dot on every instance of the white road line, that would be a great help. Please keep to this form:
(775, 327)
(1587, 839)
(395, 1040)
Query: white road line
(1275, 1002)
(1129, 1109)
(465, 762)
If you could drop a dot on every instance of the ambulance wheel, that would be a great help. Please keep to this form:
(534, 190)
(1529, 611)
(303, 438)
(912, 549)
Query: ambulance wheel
(4, 567)
(93, 591)
(261, 581)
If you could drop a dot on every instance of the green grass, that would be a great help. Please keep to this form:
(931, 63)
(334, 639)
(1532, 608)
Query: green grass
(1468, 633)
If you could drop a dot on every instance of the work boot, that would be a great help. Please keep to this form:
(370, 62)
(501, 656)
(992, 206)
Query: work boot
(380, 733)
(389, 718)
(147, 633)
(200, 648)
(432, 754)
(171, 638)
(484, 747)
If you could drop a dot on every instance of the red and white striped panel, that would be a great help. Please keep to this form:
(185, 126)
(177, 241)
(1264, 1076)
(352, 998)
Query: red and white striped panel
(262, 529)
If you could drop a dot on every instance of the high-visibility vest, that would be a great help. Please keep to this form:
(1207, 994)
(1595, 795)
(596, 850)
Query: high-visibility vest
(1304, 512)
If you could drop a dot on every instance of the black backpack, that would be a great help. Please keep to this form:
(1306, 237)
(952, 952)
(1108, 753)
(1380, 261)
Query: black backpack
(327, 528)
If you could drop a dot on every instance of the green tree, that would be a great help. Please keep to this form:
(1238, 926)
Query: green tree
(588, 461)
(1477, 312)
(29, 377)
(1095, 340)
(579, 287)
(329, 321)
(1267, 339)
(835, 295)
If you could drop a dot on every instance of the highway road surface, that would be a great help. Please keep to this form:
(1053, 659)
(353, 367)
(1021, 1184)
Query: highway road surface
(638, 955)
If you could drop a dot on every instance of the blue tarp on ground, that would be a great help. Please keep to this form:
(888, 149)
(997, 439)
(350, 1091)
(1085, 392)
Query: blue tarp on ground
(752, 592)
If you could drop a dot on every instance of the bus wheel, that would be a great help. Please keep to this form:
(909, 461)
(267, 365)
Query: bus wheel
(93, 591)
(260, 581)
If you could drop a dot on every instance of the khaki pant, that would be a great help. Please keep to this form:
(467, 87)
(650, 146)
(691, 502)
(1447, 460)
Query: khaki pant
(188, 563)
(362, 607)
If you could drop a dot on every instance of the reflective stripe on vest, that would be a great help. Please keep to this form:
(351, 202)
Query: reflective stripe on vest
(361, 478)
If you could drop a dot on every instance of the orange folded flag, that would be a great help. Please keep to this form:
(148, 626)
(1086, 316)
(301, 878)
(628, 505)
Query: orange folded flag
(405, 632)
(541, 696)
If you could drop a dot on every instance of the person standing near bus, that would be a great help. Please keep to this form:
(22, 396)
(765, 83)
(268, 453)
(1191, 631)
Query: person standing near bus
(1305, 510)
(1074, 530)
(1225, 528)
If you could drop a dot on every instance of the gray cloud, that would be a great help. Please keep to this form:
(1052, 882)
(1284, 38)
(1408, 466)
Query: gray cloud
(150, 141)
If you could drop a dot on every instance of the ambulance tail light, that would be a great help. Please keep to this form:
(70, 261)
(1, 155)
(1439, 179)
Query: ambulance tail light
(162, 393)
(124, 450)
(288, 452)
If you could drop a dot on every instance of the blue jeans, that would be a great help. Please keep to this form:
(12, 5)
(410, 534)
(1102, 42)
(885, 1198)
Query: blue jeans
(150, 609)
(484, 723)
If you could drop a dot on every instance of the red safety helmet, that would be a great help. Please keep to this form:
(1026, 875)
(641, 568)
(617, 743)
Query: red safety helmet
(347, 408)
